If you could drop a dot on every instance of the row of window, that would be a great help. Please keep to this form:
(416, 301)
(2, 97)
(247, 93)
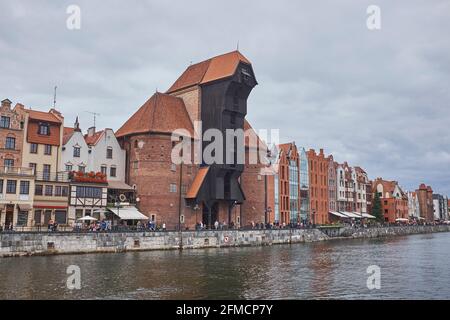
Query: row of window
(34, 148)
(11, 187)
(50, 190)
(89, 192)
(77, 152)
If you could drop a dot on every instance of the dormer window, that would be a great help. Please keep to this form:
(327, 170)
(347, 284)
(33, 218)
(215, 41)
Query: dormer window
(44, 129)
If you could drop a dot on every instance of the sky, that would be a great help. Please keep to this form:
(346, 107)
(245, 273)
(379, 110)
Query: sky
(378, 99)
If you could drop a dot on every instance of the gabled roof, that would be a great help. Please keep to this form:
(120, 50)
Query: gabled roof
(93, 139)
(162, 113)
(219, 67)
(250, 143)
(67, 134)
(43, 116)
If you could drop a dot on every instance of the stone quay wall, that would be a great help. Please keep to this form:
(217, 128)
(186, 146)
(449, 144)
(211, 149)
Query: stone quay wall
(29, 244)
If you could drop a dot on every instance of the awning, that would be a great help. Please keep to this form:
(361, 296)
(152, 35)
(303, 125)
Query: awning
(368, 216)
(337, 214)
(402, 220)
(351, 214)
(128, 213)
(24, 207)
(119, 185)
(197, 183)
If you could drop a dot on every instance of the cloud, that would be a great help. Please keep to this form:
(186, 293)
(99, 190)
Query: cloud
(378, 99)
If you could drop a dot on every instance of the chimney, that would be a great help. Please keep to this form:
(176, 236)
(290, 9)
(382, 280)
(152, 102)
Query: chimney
(6, 103)
(321, 151)
(91, 131)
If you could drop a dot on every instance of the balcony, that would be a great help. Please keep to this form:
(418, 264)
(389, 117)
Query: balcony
(16, 171)
(52, 176)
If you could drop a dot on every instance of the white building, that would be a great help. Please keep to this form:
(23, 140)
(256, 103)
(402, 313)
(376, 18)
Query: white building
(96, 151)
(413, 205)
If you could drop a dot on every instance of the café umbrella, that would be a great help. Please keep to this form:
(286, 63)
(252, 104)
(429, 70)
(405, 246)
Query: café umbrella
(87, 218)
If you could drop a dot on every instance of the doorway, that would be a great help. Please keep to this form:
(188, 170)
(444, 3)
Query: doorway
(9, 215)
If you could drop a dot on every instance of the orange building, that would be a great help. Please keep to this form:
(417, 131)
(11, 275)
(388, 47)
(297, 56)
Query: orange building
(394, 202)
(318, 186)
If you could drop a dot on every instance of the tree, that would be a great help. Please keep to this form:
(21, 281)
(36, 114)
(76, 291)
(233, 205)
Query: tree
(376, 208)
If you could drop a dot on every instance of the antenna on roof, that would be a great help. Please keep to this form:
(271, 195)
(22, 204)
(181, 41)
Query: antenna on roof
(54, 98)
(94, 114)
(237, 47)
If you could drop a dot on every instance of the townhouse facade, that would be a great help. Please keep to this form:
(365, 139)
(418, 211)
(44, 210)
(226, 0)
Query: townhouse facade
(394, 201)
(413, 205)
(426, 206)
(440, 207)
(318, 186)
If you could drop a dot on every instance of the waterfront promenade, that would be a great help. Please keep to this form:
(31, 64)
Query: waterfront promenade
(18, 244)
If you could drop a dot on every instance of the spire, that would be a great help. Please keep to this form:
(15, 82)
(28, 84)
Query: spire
(77, 125)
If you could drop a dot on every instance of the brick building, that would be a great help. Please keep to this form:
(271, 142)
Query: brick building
(214, 92)
(394, 202)
(332, 185)
(318, 186)
(426, 208)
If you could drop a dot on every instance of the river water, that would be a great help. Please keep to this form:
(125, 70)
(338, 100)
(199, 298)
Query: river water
(412, 267)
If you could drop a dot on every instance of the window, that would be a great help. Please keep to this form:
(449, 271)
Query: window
(46, 172)
(44, 129)
(34, 148)
(78, 213)
(61, 216)
(33, 166)
(58, 191)
(69, 167)
(4, 122)
(109, 153)
(173, 167)
(9, 163)
(37, 217)
(89, 192)
(11, 186)
(82, 168)
(10, 143)
(48, 150)
(113, 171)
(22, 218)
(103, 169)
(135, 164)
(38, 189)
(1, 186)
(173, 188)
(65, 191)
(49, 190)
(24, 187)
(76, 152)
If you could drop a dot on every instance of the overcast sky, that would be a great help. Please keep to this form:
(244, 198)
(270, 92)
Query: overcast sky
(378, 99)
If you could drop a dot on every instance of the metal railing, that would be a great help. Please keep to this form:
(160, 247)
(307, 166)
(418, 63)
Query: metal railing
(52, 176)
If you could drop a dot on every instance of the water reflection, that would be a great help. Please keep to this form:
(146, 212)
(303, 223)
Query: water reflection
(412, 267)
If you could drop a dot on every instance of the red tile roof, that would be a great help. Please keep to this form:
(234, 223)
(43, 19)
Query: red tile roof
(67, 134)
(43, 116)
(94, 139)
(162, 113)
(216, 68)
